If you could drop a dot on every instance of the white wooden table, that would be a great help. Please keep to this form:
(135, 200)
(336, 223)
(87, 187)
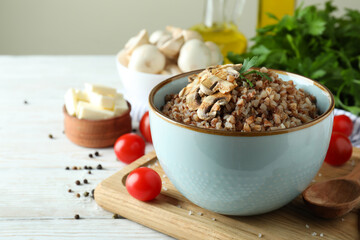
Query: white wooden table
(34, 198)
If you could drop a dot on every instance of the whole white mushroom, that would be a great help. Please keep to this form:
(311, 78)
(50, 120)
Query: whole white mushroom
(190, 34)
(134, 42)
(123, 58)
(176, 32)
(148, 59)
(171, 48)
(162, 40)
(216, 56)
(157, 35)
(171, 69)
(194, 55)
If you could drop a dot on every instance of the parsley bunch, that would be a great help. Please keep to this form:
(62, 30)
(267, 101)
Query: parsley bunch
(316, 44)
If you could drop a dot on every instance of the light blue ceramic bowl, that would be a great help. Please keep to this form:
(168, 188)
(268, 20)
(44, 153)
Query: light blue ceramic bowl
(240, 173)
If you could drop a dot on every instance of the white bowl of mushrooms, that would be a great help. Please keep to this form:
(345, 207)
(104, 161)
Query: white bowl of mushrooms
(145, 61)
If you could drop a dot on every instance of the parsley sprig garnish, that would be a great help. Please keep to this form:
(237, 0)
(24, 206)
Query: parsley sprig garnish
(244, 71)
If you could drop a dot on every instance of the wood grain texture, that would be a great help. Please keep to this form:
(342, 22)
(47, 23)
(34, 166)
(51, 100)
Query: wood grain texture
(82, 229)
(34, 202)
(170, 211)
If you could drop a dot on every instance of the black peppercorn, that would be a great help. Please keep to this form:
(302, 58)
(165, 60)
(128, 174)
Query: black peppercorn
(67, 168)
(97, 154)
(99, 167)
(51, 136)
(86, 181)
(77, 182)
(86, 194)
(90, 155)
(77, 216)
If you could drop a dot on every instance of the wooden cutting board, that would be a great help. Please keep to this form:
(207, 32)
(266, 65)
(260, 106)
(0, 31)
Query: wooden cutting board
(174, 215)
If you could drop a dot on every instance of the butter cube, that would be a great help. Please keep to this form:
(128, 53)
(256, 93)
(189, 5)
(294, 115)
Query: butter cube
(88, 111)
(103, 90)
(82, 95)
(101, 100)
(71, 101)
(119, 95)
(120, 105)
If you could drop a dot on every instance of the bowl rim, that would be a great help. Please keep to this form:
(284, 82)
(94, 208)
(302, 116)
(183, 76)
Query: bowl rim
(100, 120)
(235, 133)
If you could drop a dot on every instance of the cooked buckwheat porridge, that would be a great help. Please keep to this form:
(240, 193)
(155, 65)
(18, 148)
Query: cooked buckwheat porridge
(230, 98)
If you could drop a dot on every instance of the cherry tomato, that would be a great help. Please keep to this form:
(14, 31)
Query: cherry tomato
(145, 127)
(143, 184)
(340, 149)
(343, 124)
(129, 147)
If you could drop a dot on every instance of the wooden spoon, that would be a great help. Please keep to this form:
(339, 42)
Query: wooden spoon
(334, 198)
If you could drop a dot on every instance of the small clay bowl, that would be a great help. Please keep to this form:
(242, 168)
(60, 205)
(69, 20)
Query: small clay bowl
(96, 133)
